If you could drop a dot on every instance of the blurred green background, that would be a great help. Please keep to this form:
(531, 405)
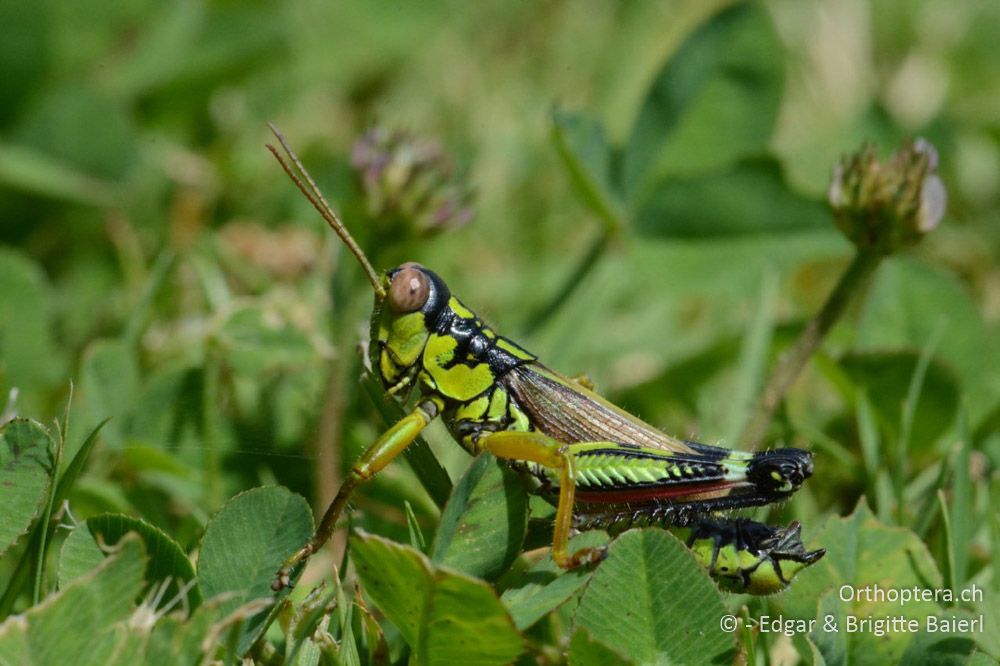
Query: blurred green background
(155, 255)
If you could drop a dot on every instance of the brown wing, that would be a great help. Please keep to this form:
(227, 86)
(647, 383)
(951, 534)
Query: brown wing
(568, 412)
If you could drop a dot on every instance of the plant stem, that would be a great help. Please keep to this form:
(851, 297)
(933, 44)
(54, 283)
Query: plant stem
(211, 404)
(327, 444)
(854, 279)
(573, 280)
(36, 592)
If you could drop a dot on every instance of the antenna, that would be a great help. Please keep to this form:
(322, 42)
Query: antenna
(300, 176)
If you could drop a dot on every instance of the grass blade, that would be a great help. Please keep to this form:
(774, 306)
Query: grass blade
(753, 359)
(961, 503)
(41, 531)
(949, 542)
(909, 410)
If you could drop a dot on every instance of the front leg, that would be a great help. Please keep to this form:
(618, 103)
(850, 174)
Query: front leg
(372, 461)
(543, 450)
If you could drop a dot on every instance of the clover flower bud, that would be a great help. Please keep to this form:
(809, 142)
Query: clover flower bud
(411, 180)
(883, 206)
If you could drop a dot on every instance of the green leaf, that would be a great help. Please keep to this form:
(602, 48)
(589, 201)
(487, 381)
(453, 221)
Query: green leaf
(484, 522)
(681, 382)
(980, 659)
(82, 127)
(245, 544)
(28, 356)
(585, 651)
(169, 404)
(255, 341)
(908, 304)
(82, 624)
(186, 46)
(445, 617)
(545, 586)
(166, 558)
(714, 102)
(988, 425)
(177, 640)
(109, 382)
(750, 198)
(589, 159)
(24, 57)
(25, 474)
(942, 649)
(861, 553)
(21, 572)
(885, 377)
(988, 603)
(28, 170)
(650, 599)
(78, 556)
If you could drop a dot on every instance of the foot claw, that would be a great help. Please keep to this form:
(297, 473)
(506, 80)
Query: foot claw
(587, 556)
(281, 581)
(283, 578)
(582, 557)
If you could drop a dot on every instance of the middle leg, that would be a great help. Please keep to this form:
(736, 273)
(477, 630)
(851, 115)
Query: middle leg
(543, 450)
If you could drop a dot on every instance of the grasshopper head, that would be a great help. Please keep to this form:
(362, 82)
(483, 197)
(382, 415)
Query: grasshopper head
(403, 321)
(408, 299)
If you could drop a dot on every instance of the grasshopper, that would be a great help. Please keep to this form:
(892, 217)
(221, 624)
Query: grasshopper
(599, 465)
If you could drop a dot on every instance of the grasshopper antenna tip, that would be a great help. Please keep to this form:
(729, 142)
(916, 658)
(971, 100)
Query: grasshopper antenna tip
(304, 181)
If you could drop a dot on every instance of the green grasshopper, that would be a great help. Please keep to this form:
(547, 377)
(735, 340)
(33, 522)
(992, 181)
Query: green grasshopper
(600, 466)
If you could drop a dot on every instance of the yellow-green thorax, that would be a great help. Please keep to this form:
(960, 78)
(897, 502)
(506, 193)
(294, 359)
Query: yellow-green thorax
(441, 345)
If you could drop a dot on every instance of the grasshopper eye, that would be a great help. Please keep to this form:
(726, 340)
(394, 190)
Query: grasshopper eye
(409, 290)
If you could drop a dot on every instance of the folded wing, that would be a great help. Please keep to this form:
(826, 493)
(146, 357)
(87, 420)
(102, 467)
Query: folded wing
(568, 412)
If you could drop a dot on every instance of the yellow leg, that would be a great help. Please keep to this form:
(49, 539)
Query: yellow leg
(538, 448)
(371, 462)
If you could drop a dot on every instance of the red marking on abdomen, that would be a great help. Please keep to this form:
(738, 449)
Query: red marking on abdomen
(688, 493)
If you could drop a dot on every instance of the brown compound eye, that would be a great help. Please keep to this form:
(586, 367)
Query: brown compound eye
(409, 290)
